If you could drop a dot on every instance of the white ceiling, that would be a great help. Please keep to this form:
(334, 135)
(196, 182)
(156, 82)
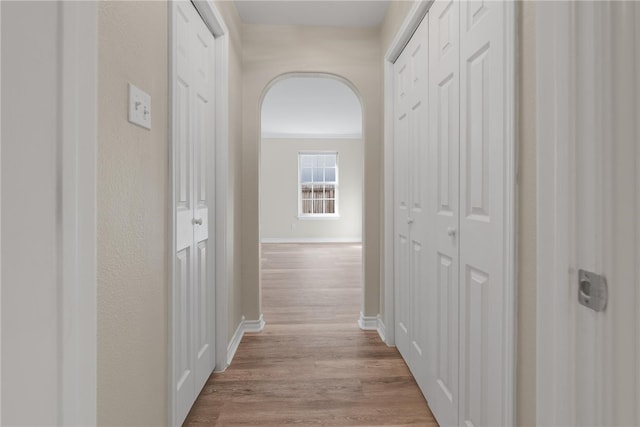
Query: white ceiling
(311, 107)
(332, 13)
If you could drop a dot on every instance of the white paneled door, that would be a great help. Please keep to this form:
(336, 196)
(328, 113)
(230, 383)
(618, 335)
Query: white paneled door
(193, 151)
(485, 286)
(453, 142)
(411, 127)
(443, 182)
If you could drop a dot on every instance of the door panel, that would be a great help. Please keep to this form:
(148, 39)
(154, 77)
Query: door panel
(193, 129)
(483, 247)
(403, 292)
(203, 76)
(184, 369)
(411, 133)
(418, 48)
(443, 181)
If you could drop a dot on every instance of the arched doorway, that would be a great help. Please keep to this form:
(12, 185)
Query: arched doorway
(311, 164)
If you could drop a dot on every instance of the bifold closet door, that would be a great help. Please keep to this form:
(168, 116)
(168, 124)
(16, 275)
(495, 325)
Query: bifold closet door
(443, 182)
(451, 203)
(193, 130)
(483, 203)
(411, 134)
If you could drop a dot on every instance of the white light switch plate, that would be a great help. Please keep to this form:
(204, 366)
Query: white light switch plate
(139, 107)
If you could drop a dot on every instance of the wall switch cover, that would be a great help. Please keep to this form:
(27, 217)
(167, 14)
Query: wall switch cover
(139, 107)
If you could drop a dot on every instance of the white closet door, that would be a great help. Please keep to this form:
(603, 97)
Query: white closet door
(483, 286)
(193, 141)
(418, 61)
(411, 133)
(203, 125)
(443, 181)
(403, 294)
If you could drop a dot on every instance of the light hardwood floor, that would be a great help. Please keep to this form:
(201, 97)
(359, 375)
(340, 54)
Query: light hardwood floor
(312, 365)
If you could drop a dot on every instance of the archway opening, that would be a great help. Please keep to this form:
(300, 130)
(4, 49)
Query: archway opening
(311, 200)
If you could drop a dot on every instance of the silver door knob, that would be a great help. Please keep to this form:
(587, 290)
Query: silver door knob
(410, 221)
(451, 231)
(197, 221)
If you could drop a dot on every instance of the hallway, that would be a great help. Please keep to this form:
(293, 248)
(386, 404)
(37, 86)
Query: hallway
(312, 365)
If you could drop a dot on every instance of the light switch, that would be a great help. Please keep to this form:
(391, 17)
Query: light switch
(139, 107)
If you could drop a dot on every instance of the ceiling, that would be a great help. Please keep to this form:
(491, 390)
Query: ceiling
(311, 107)
(331, 13)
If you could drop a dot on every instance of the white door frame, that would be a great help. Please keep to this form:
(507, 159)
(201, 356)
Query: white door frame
(77, 165)
(552, 141)
(218, 215)
(410, 24)
(559, 116)
(76, 199)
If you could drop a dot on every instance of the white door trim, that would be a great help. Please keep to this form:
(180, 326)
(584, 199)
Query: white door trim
(218, 215)
(77, 199)
(553, 113)
(0, 212)
(410, 24)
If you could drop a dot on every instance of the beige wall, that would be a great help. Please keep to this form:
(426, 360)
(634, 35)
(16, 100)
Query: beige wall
(393, 19)
(279, 191)
(354, 54)
(526, 362)
(132, 217)
(133, 169)
(234, 183)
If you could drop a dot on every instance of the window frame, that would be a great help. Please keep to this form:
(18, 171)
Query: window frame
(306, 216)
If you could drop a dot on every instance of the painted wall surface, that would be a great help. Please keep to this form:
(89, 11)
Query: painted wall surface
(132, 216)
(30, 251)
(279, 191)
(393, 19)
(354, 54)
(527, 245)
(234, 179)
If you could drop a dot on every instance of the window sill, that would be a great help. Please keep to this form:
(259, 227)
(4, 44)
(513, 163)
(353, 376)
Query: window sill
(320, 217)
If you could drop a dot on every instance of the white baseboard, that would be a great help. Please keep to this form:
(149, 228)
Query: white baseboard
(368, 323)
(381, 330)
(311, 240)
(254, 325)
(235, 341)
(372, 323)
(244, 327)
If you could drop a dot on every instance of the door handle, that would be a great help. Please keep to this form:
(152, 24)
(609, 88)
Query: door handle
(410, 221)
(195, 221)
(451, 231)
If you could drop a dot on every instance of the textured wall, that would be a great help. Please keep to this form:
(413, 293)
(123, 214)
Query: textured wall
(526, 375)
(132, 216)
(279, 190)
(354, 54)
(234, 183)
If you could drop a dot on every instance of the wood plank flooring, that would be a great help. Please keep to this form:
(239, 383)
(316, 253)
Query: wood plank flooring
(312, 365)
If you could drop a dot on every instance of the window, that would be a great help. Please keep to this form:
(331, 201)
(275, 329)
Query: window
(318, 179)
